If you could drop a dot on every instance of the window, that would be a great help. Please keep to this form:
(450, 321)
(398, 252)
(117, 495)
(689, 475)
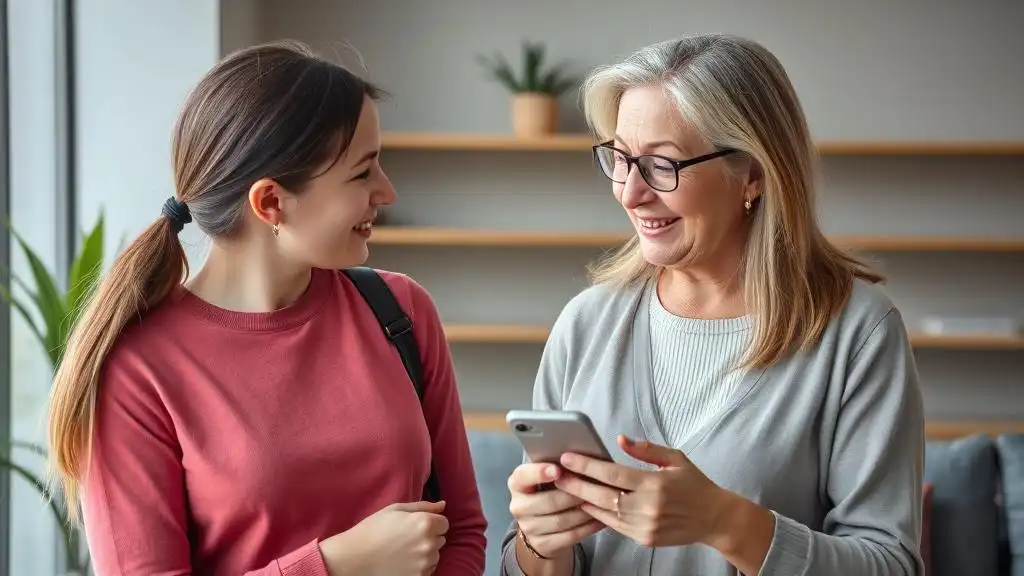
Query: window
(35, 191)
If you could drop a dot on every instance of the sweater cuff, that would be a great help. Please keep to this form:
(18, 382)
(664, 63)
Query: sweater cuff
(304, 561)
(789, 554)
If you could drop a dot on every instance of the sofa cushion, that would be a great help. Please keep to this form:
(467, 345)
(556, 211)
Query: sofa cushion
(1011, 457)
(495, 456)
(964, 521)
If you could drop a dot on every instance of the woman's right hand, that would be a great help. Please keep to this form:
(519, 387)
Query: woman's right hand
(551, 520)
(397, 539)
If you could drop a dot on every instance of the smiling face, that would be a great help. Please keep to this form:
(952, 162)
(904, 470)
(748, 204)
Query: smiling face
(327, 225)
(704, 215)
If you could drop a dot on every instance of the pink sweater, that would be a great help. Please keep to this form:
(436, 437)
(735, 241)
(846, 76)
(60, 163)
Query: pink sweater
(231, 443)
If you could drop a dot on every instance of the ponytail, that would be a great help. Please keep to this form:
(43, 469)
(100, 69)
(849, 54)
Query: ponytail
(143, 275)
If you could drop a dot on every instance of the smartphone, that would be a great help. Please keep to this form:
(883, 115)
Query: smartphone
(547, 434)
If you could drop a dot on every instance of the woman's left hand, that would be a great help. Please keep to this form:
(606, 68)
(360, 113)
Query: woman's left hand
(675, 505)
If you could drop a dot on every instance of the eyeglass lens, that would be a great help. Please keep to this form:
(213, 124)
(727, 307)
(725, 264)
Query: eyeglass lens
(657, 172)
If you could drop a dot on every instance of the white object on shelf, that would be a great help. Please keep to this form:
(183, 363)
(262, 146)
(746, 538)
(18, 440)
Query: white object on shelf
(971, 325)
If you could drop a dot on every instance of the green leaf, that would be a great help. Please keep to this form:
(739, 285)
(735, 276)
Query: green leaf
(48, 300)
(32, 447)
(501, 71)
(534, 77)
(85, 273)
(40, 487)
(36, 483)
(560, 87)
(6, 295)
(533, 57)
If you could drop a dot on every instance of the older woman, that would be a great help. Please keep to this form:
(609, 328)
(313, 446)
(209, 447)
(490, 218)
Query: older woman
(757, 390)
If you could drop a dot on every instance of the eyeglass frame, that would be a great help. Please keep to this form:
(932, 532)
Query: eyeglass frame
(635, 160)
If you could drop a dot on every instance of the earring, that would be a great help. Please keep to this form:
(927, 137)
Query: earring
(277, 230)
(747, 205)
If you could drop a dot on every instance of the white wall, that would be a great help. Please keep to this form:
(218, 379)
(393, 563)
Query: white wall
(33, 212)
(240, 24)
(130, 86)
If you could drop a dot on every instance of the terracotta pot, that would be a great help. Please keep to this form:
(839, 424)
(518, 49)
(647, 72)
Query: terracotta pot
(534, 114)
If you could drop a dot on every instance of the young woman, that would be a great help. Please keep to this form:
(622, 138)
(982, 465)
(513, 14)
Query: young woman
(256, 419)
(756, 388)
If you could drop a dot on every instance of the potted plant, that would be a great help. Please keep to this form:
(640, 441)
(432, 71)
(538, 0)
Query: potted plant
(51, 315)
(535, 92)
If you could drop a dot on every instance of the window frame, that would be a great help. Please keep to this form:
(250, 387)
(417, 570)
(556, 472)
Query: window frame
(5, 309)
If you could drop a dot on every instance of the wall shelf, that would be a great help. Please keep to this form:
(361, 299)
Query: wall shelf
(485, 142)
(428, 236)
(538, 334)
(582, 142)
(496, 333)
(408, 235)
(934, 430)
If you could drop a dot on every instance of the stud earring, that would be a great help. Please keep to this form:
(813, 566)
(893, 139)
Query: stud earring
(277, 230)
(747, 205)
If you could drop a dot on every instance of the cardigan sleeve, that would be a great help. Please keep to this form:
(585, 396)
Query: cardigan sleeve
(134, 506)
(875, 476)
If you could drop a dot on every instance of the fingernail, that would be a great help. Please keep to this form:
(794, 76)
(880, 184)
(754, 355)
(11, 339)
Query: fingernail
(568, 459)
(550, 472)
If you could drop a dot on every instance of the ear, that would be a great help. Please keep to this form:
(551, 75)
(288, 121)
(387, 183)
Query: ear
(266, 201)
(754, 182)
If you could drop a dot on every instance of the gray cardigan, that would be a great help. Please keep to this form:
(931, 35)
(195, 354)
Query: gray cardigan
(831, 440)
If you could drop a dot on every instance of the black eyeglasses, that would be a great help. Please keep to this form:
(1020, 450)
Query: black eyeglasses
(660, 173)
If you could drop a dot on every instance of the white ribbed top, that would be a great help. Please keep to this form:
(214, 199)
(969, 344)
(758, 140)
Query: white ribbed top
(694, 366)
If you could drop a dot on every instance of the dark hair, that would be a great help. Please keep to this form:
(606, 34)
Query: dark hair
(270, 111)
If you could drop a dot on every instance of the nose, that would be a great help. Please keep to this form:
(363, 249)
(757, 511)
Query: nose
(635, 191)
(385, 194)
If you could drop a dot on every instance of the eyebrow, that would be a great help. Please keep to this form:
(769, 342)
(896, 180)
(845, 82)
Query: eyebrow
(652, 145)
(366, 157)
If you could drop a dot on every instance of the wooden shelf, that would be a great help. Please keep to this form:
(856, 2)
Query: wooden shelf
(934, 430)
(496, 333)
(948, 430)
(929, 244)
(583, 142)
(428, 236)
(485, 142)
(956, 342)
(921, 148)
(538, 334)
(385, 234)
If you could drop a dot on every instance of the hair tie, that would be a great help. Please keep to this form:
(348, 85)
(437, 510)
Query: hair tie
(177, 212)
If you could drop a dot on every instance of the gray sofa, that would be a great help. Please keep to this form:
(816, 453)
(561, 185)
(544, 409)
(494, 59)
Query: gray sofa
(974, 517)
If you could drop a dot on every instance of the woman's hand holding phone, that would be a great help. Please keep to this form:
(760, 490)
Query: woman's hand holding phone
(550, 521)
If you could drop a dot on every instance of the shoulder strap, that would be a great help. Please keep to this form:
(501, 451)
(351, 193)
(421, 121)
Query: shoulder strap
(398, 329)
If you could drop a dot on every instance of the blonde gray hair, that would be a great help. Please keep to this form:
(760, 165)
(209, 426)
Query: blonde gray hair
(734, 93)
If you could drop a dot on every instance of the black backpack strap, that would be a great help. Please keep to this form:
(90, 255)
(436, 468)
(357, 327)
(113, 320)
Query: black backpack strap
(399, 330)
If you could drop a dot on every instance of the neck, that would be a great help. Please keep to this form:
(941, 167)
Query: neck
(712, 289)
(247, 278)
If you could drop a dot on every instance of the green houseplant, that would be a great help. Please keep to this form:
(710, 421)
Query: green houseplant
(535, 91)
(50, 314)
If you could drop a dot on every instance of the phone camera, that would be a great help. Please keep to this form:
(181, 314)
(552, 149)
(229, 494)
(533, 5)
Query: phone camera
(522, 427)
